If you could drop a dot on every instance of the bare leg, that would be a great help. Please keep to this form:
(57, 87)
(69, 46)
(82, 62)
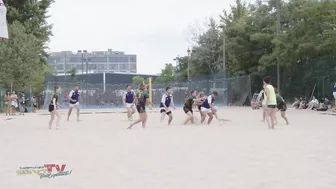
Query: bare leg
(190, 118)
(203, 116)
(57, 114)
(267, 116)
(210, 115)
(283, 115)
(144, 120)
(52, 117)
(69, 113)
(273, 117)
(163, 114)
(170, 118)
(136, 121)
(78, 113)
(129, 114)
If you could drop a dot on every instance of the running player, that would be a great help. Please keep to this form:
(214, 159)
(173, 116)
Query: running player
(281, 105)
(261, 98)
(201, 96)
(53, 108)
(166, 101)
(271, 102)
(208, 107)
(74, 101)
(141, 100)
(128, 100)
(187, 108)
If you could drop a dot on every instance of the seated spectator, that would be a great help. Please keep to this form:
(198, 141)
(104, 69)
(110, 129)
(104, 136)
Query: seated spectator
(323, 107)
(296, 103)
(303, 103)
(313, 104)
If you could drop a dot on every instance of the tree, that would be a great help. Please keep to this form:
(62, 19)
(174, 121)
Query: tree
(168, 74)
(138, 80)
(72, 73)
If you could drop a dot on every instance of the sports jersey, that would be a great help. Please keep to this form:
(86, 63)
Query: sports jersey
(166, 100)
(74, 95)
(129, 96)
(209, 100)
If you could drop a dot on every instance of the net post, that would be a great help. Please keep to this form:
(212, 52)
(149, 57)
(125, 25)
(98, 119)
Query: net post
(150, 88)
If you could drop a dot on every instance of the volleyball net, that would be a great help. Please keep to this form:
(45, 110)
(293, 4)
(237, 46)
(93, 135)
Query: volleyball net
(231, 92)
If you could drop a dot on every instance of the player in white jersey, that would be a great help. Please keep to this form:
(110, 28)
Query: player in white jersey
(207, 107)
(128, 101)
(74, 101)
(166, 104)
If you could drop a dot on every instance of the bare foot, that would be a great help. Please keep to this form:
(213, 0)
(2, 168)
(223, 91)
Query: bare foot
(130, 127)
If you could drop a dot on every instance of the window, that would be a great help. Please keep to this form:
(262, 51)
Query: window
(53, 60)
(78, 67)
(92, 66)
(113, 67)
(133, 59)
(97, 59)
(102, 67)
(133, 66)
(124, 67)
(75, 59)
(118, 59)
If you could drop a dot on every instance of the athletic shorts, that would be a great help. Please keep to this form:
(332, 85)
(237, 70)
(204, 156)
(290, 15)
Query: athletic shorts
(205, 110)
(141, 108)
(76, 105)
(164, 110)
(271, 106)
(186, 109)
(282, 107)
(129, 105)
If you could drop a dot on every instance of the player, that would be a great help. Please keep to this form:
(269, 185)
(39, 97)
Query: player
(166, 101)
(53, 108)
(208, 108)
(141, 99)
(74, 101)
(128, 101)
(201, 96)
(187, 108)
(271, 102)
(281, 105)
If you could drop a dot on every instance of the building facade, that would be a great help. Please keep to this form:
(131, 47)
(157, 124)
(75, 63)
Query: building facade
(93, 62)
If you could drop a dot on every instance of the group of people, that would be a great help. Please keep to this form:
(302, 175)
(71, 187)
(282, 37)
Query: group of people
(314, 104)
(137, 100)
(13, 102)
(271, 102)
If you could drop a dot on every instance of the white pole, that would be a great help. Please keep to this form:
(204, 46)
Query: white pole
(104, 82)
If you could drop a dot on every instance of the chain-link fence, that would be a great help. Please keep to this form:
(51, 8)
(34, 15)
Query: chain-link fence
(231, 91)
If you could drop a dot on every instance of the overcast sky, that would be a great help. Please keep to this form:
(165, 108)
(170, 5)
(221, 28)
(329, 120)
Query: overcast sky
(156, 31)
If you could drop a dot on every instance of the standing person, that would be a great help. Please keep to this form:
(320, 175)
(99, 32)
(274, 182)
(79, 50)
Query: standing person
(188, 106)
(334, 94)
(262, 98)
(128, 101)
(281, 105)
(74, 101)
(53, 108)
(166, 103)
(14, 102)
(141, 100)
(22, 105)
(271, 102)
(34, 104)
(207, 107)
(7, 99)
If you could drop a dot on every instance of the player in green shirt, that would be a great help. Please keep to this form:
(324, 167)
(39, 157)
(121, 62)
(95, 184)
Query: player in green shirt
(141, 99)
(188, 106)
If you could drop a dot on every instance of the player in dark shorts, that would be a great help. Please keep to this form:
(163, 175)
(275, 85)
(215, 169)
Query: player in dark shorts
(188, 106)
(281, 105)
(141, 99)
(53, 108)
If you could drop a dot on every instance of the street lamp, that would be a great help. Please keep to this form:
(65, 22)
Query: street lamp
(278, 32)
(189, 57)
(177, 65)
(82, 52)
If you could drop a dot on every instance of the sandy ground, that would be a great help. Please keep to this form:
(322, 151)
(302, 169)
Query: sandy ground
(241, 154)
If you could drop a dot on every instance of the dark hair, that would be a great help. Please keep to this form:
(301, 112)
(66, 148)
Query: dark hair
(127, 86)
(267, 79)
(215, 93)
(167, 88)
(192, 91)
(7, 92)
(141, 86)
(276, 90)
(56, 87)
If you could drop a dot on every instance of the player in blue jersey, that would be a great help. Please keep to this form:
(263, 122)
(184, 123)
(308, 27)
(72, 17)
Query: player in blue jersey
(128, 100)
(207, 107)
(74, 101)
(166, 104)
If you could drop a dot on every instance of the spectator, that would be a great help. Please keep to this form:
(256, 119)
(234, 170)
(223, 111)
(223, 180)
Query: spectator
(313, 104)
(296, 103)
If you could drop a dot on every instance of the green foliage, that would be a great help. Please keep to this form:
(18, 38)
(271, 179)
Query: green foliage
(168, 74)
(138, 80)
(22, 56)
(305, 47)
(72, 73)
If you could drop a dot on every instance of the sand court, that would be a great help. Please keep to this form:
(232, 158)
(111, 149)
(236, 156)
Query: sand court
(102, 154)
